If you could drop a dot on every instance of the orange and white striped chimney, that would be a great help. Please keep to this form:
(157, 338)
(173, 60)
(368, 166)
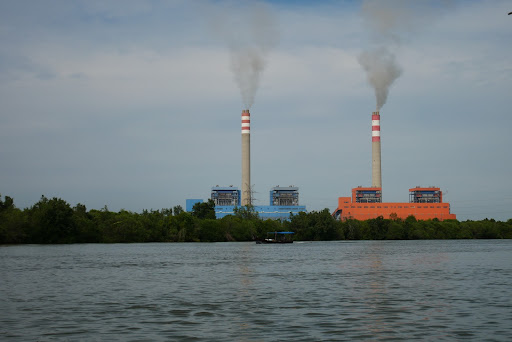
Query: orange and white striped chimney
(376, 168)
(246, 157)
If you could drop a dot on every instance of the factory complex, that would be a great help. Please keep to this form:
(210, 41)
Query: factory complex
(284, 201)
(365, 204)
(425, 203)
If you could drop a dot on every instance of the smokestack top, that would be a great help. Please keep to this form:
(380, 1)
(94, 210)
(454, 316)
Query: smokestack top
(376, 168)
(246, 157)
(246, 121)
(376, 126)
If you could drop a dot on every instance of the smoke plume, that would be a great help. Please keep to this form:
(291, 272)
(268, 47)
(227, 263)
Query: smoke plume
(391, 23)
(381, 70)
(249, 38)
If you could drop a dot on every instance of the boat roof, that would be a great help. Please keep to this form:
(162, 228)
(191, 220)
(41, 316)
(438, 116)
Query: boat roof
(281, 233)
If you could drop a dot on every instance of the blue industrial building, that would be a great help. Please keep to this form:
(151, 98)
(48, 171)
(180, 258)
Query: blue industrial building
(226, 196)
(190, 204)
(264, 211)
(284, 201)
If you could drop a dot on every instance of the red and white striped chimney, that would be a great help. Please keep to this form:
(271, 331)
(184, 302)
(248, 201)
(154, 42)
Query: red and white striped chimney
(246, 157)
(376, 168)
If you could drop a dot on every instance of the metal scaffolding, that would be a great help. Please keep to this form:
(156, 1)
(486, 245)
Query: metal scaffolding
(225, 196)
(425, 195)
(284, 196)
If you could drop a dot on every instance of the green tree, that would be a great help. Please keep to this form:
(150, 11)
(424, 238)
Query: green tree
(451, 229)
(230, 225)
(51, 221)
(326, 227)
(12, 222)
(466, 230)
(185, 226)
(246, 212)
(153, 225)
(211, 230)
(302, 225)
(205, 210)
(486, 229)
(245, 230)
(265, 226)
(378, 228)
(409, 226)
(128, 227)
(87, 230)
(396, 231)
(178, 209)
(352, 229)
(6, 204)
(505, 229)
(103, 220)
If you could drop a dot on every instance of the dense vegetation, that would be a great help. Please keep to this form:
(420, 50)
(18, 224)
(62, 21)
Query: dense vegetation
(55, 221)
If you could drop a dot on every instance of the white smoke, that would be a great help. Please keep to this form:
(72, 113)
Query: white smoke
(247, 65)
(392, 22)
(381, 71)
(250, 36)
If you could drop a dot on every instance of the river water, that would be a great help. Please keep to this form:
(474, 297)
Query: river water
(311, 291)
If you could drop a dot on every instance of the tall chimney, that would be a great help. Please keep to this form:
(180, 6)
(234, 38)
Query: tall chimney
(246, 157)
(376, 169)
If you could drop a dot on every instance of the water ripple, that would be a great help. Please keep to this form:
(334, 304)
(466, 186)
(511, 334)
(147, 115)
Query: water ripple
(329, 291)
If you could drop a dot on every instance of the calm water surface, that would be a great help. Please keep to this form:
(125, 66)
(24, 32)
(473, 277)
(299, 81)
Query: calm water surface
(318, 291)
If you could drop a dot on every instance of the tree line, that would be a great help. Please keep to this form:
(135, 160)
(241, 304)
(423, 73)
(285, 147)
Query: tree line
(54, 221)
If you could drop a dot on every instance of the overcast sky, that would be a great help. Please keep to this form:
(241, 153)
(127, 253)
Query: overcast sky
(134, 105)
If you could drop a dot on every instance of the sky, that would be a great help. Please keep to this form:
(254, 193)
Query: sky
(135, 105)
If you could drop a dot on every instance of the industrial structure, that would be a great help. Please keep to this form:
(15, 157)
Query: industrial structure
(284, 201)
(366, 202)
(284, 196)
(424, 204)
(376, 168)
(367, 195)
(425, 195)
(189, 206)
(246, 158)
(225, 196)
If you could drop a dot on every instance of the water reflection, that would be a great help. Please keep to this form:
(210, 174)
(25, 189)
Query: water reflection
(401, 290)
(244, 292)
(375, 297)
(321, 291)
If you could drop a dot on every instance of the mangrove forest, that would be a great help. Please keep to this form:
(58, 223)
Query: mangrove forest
(54, 221)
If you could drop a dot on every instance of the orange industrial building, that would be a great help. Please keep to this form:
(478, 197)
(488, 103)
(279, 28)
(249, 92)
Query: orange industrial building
(366, 203)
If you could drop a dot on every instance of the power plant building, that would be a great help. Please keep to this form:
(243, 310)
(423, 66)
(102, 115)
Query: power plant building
(425, 195)
(284, 201)
(226, 196)
(367, 195)
(425, 204)
(284, 196)
(190, 204)
(366, 202)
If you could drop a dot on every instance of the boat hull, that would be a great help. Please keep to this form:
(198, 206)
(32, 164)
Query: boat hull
(271, 242)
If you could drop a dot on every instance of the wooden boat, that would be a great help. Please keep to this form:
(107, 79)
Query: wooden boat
(277, 237)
